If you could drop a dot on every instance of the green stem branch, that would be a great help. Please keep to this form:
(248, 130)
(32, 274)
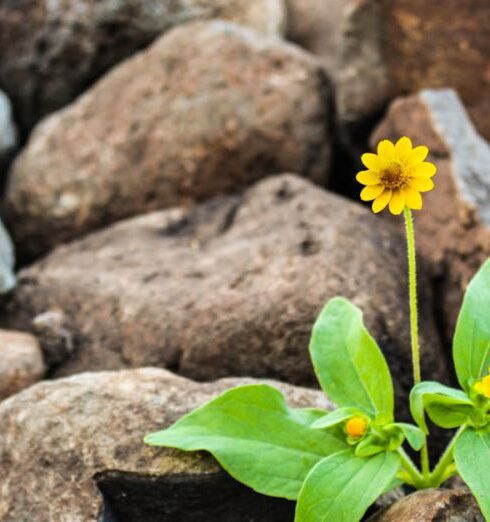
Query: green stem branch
(439, 475)
(411, 470)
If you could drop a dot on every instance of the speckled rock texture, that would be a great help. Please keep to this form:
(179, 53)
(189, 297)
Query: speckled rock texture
(21, 362)
(395, 47)
(210, 108)
(51, 51)
(230, 288)
(453, 230)
(70, 435)
(433, 505)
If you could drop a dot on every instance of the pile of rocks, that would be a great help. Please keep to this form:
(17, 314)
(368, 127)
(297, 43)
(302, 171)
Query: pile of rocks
(169, 203)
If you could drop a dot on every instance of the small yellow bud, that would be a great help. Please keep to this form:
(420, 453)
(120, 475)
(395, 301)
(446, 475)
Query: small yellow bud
(356, 427)
(483, 386)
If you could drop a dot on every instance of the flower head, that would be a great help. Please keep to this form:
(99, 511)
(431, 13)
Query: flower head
(483, 386)
(396, 176)
(356, 427)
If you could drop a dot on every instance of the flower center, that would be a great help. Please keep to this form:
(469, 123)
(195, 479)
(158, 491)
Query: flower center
(356, 427)
(483, 386)
(393, 177)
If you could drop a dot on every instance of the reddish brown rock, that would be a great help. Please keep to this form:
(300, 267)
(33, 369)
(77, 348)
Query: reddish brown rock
(61, 439)
(433, 505)
(210, 108)
(453, 230)
(394, 47)
(230, 288)
(316, 25)
(51, 51)
(21, 362)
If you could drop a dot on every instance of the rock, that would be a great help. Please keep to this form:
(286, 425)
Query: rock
(8, 131)
(453, 230)
(21, 362)
(209, 108)
(61, 439)
(316, 26)
(433, 505)
(230, 288)
(7, 261)
(50, 52)
(395, 47)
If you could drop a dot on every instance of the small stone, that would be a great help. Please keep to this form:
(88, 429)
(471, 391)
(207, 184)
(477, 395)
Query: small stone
(21, 362)
(453, 230)
(231, 287)
(433, 505)
(173, 134)
(64, 442)
(50, 52)
(7, 261)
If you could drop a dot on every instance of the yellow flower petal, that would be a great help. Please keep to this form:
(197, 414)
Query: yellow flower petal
(417, 155)
(413, 199)
(422, 170)
(381, 201)
(421, 184)
(371, 192)
(368, 177)
(403, 147)
(386, 150)
(371, 161)
(397, 202)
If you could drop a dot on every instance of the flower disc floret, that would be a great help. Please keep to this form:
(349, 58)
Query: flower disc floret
(483, 386)
(396, 176)
(356, 427)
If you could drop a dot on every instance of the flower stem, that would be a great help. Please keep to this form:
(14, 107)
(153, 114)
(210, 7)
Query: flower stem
(409, 467)
(439, 475)
(414, 329)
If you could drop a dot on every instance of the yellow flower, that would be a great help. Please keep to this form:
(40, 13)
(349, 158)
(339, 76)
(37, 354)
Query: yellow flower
(396, 176)
(483, 386)
(356, 427)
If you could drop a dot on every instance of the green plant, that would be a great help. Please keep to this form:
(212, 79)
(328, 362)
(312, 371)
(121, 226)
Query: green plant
(336, 464)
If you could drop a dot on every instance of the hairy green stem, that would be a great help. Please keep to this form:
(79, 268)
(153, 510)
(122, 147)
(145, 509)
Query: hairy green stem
(416, 479)
(414, 328)
(439, 475)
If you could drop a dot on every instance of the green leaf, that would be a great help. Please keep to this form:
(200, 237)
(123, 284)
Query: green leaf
(256, 438)
(370, 445)
(336, 417)
(341, 487)
(472, 456)
(471, 345)
(415, 436)
(348, 363)
(447, 407)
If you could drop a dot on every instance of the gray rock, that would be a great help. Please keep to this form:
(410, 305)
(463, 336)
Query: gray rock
(50, 52)
(60, 441)
(21, 362)
(453, 230)
(230, 288)
(7, 261)
(210, 108)
(8, 131)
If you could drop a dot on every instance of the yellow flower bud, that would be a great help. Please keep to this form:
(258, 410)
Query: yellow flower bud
(356, 427)
(483, 386)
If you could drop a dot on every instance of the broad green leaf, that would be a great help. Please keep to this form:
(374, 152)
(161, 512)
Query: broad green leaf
(447, 407)
(415, 436)
(370, 445)
(341, 487)
(336, 417)
(472, 456)
(348, 363)
(256, 438)
(471, 345)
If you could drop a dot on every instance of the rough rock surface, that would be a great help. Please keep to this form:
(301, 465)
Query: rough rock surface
(433, 505)
(316, 25)
(232, 287)
(21, 362)
(69, 435)
(395, 47)
(8, 131)
(51, 51)
(209, 108)
(453, 230)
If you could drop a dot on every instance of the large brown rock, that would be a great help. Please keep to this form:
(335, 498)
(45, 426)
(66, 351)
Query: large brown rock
(433, 505)
(21, 362)
(209, 108)
(232, 287)
(51, 51)
(59, 440)
(394, 47)
(453, 230)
